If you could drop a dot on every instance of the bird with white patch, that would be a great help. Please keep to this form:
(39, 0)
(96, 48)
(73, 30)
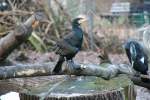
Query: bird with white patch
(137, 58)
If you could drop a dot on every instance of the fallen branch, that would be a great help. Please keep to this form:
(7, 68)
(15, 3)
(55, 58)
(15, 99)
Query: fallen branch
(28, 70)
(70, 68)
(45, 69)
(18, 36)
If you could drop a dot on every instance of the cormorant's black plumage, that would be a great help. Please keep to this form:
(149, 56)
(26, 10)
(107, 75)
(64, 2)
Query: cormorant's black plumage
(137, 57)
(3, 6)
(68, 47)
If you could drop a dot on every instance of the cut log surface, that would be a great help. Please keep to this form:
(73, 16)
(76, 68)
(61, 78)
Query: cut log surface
(82, 88)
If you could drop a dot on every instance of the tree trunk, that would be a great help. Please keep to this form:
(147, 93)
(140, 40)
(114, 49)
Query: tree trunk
(86, 88)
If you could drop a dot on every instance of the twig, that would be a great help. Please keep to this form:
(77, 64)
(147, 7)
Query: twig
(12, 5)
(50, 14)
(15, 12)
(47, 28)
(63, 11)
(23, 2)
(86, 43)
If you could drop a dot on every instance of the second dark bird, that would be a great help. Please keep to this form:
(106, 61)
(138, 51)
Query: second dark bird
(3, 5)
(69, 46)
(137, 58)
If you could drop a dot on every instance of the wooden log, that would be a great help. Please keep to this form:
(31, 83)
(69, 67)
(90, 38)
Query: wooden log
(105, 71)
(69, 68)
(28, 70)
(18, 36)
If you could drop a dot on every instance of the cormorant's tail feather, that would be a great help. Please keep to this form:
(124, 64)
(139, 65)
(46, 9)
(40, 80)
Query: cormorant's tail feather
(57, 68)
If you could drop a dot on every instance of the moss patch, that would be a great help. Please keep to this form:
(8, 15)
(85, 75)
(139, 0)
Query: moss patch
(83, 85)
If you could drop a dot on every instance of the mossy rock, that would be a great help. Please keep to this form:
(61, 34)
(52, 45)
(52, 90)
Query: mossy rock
(83, 88)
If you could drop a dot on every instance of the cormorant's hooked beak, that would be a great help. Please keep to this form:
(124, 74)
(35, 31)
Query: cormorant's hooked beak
(83, 19)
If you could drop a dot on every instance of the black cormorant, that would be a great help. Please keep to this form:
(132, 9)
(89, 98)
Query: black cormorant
(69, 46)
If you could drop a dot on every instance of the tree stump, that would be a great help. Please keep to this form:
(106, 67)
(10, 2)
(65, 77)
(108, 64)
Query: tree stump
(83, 88)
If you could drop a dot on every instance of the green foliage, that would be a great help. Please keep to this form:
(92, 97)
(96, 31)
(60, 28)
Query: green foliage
(37, 42)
